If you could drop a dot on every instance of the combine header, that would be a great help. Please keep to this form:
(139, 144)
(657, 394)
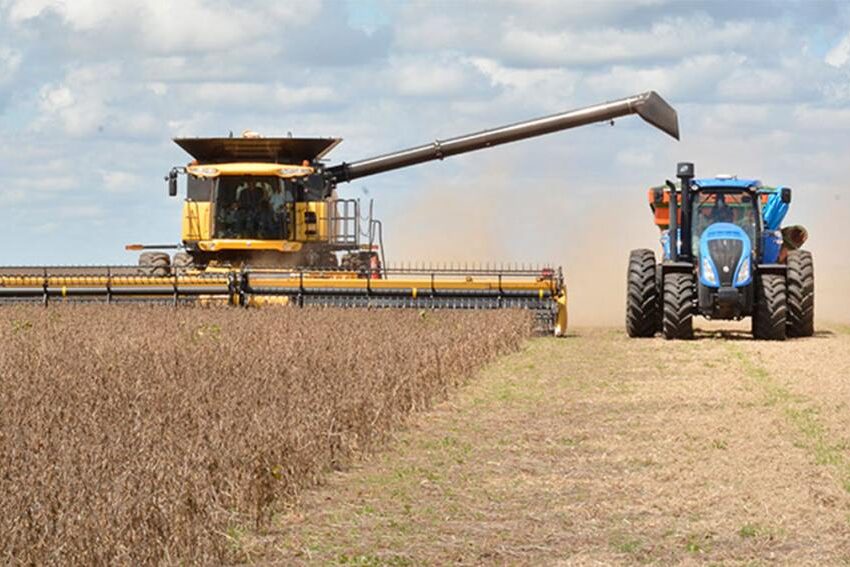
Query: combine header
(262, 224)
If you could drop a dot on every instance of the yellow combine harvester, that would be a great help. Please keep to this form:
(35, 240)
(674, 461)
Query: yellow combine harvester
(262, 223)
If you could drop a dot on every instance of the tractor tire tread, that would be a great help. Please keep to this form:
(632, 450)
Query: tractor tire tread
(678, 316)
(642, 306)
(801, 294)
(770, 310)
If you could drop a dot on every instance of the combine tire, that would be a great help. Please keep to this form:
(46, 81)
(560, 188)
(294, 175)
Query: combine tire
(330, 261)
(155, 263)
(643, 313)
(181, 262)
(678, 316)
(770, 310)
(800, 282)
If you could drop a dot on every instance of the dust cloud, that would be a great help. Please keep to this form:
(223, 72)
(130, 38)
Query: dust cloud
(488, 219)
(589, 231)
(828, 223)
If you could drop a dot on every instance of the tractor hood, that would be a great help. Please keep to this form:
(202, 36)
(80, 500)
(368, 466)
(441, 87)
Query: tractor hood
(725, 256)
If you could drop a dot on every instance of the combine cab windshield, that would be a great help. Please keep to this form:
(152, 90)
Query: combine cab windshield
(715, 207)
(252, 207)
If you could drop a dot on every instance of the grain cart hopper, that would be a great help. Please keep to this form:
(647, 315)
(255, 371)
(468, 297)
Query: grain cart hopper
(262, 223)
(724, 257)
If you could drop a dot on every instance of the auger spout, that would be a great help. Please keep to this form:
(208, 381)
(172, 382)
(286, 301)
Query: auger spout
(649, 106)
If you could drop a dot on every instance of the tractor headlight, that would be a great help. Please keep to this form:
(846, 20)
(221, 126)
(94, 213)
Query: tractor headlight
(743, 271)
(708, 271)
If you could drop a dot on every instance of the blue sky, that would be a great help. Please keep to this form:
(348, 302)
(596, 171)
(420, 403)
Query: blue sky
(91, 93)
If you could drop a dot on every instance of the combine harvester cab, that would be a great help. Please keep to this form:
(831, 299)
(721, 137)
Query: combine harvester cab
(262, 224)
(725, 257)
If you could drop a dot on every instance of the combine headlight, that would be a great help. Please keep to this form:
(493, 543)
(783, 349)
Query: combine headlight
(743, 271)
(708, 271)
(203, 171)
(294, 171)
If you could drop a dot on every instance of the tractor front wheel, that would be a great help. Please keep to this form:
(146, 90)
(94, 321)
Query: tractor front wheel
(643, 317)
(678, 316)
(770, 311)
(801, 294)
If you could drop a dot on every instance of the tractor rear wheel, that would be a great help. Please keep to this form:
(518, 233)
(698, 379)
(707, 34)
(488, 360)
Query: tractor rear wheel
(678, 316)
(155, 263)
(770, 310)
(643, 314)
(800, 282)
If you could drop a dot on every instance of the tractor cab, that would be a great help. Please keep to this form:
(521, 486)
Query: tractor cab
(725, 225)
(722, 205)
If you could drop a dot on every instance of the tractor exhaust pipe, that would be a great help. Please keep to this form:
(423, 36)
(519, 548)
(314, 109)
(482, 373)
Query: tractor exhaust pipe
(649, 106)
(685, 173)
(673, 226)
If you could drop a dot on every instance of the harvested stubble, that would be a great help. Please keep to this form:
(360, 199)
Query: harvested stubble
(152, 434)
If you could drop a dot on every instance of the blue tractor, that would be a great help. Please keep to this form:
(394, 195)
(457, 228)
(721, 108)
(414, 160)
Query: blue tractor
(725, 256)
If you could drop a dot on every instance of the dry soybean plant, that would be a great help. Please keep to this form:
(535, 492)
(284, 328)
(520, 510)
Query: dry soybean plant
(149, 434)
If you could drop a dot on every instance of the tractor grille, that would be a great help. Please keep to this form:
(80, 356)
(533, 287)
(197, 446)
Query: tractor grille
(726, 253)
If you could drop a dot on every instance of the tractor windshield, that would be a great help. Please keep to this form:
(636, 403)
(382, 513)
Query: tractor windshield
(723, 206)
(252, 207)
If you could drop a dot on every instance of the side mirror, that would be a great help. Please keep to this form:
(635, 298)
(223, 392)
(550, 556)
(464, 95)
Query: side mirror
(172, 183)
(786, 195)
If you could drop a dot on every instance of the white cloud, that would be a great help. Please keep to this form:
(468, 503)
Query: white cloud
(637, 158)
(236, 94)
(117, 181)
(46, 183)
(167, 27)
(21, 10)
(55, 98)
(822, 119)
(80, 212)
(271, 97)
(428, 79)
(840, 53)
(78, 103)
(434, 77)
(78, 116)
(555, 78)
(692, 77)
(158, 88)
(294, 97)
(84, 103)
(548, 35)
(10, 62)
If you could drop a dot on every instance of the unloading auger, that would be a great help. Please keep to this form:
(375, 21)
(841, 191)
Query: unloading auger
(262, 223)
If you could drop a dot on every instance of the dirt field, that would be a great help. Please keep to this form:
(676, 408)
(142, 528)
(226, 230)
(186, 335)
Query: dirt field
(596, 450)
